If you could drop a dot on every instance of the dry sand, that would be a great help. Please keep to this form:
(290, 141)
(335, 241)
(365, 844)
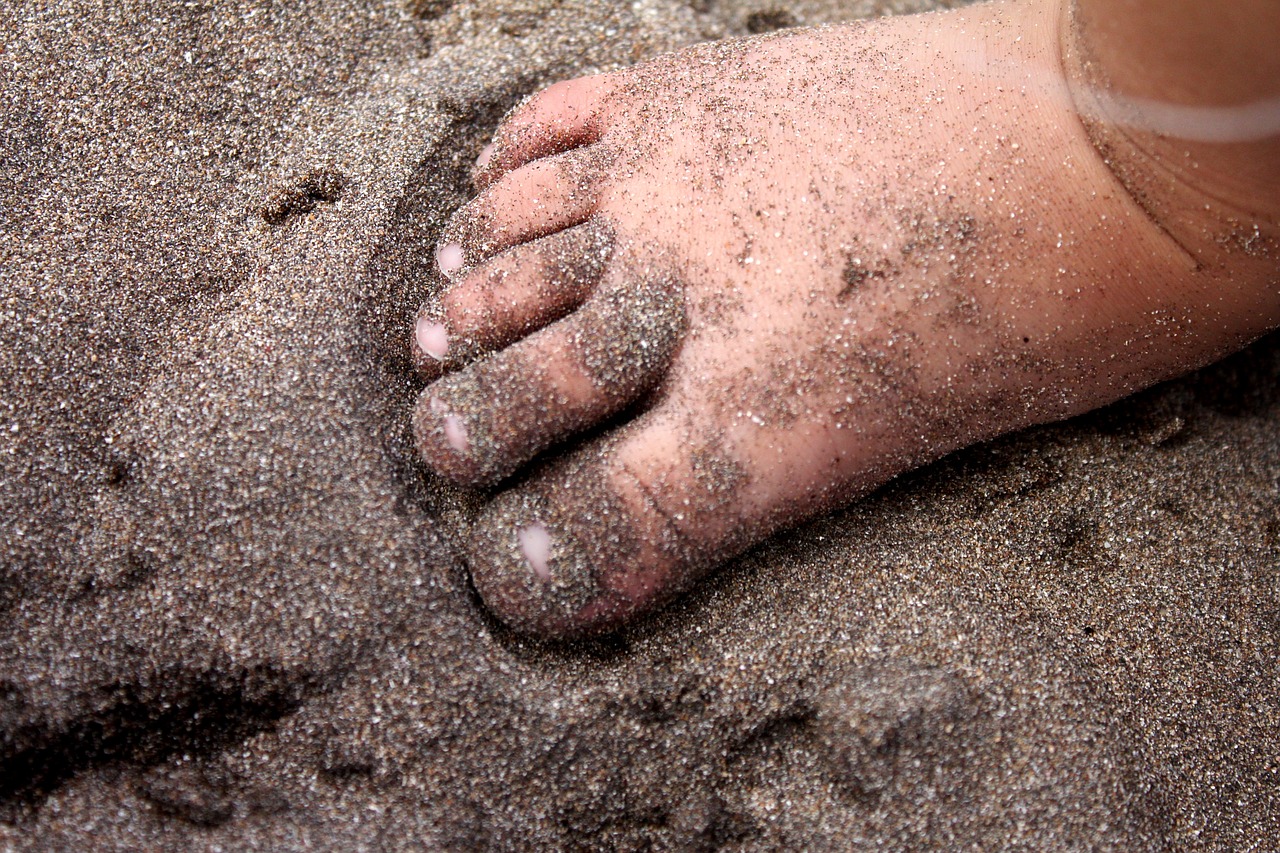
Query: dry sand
(232, 614)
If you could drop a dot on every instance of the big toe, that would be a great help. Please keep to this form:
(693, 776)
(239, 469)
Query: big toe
(566, 554)
(614, 530)
(626, 523)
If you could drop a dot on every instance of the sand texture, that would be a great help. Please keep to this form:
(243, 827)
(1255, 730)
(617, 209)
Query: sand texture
(231, 612)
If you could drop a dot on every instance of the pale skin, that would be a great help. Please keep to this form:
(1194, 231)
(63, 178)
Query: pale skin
(766, 276)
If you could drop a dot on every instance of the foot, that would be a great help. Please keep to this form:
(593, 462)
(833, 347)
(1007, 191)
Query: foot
(781, 271)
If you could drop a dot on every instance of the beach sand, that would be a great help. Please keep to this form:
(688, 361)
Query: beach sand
(232, 613)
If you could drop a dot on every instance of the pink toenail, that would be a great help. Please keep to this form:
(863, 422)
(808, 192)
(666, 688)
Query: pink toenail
(486, 154)
(456, 433)
(535, 542)
(449, 258)
(432, 339)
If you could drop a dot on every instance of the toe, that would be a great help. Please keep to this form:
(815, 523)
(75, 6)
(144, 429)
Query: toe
(479, 425)
(615, 529)
(561, 117)
(538, 199)
(516, 293)
(626, 523)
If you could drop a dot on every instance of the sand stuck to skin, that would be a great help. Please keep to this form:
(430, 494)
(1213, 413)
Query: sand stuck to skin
(232, 613)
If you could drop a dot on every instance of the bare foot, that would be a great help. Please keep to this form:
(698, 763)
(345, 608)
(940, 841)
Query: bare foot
(784, 270)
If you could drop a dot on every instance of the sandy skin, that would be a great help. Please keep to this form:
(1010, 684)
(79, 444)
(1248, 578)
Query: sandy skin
(786, 270)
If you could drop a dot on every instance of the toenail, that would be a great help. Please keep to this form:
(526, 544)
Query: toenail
(433, 338)
(486, 154)
(535, 543)
(449, 258)
(455, 432)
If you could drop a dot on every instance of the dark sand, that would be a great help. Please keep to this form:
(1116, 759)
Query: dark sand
(232, 614)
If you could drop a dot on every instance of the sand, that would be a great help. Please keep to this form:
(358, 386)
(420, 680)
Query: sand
(233, 613)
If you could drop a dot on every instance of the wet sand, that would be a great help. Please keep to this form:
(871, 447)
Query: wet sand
(233, 612)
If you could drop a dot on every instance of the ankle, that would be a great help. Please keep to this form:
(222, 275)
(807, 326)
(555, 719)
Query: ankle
(1216, 199)
(1213, 133)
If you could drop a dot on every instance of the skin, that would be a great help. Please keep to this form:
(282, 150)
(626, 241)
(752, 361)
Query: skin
(781, 271)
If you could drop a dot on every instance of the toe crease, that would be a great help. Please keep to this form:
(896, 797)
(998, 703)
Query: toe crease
(683, 544)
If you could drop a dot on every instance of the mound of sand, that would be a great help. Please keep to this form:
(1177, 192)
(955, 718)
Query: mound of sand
(232, 614)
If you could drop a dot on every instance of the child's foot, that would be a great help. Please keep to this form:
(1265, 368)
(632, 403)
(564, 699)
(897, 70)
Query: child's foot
(783, 271)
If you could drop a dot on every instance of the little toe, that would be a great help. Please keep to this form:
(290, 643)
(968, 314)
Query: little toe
(538, 199)
(563, 116)
(479, 425)
(516, 293)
